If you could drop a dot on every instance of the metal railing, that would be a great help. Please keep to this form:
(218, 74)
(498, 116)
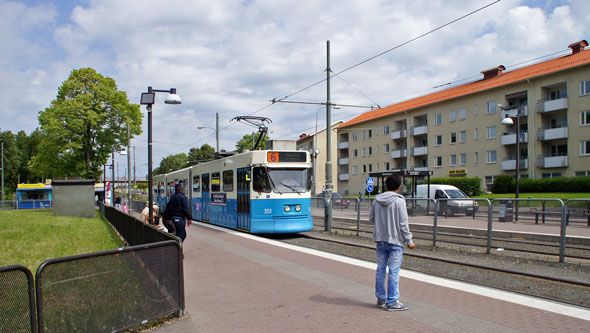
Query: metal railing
(17, 300)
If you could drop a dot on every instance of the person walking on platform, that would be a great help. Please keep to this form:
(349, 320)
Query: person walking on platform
(177, 211)
(391, 232)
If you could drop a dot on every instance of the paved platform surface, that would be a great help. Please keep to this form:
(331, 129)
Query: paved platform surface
(235, 282)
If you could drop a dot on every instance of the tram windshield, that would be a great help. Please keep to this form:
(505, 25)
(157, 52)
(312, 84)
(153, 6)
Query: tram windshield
(282, 180)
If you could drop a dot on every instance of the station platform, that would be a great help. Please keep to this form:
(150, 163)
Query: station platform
(238, 282)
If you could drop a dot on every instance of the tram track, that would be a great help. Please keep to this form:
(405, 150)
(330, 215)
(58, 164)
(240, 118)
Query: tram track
(542, 280)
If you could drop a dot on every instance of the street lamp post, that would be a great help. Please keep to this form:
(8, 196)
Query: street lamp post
(216, 129)
(148, 99)
(508, 121)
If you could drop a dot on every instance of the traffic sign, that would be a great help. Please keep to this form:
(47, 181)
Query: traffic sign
(369, 188)
(370, 181)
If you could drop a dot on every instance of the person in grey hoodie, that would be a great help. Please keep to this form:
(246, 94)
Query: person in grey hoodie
(391, 232)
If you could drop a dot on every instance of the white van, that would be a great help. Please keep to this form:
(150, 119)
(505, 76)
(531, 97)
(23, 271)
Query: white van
(448, 207)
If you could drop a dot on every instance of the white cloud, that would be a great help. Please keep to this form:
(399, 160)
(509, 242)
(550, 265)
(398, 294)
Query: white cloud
(231, 57)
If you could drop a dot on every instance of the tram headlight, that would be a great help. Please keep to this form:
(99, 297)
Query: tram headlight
(287, 209)
(298, 208)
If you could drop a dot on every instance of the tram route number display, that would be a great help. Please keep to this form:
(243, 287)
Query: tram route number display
(285, 156)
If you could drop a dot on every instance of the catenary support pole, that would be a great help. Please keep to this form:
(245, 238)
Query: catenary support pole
(329, 188)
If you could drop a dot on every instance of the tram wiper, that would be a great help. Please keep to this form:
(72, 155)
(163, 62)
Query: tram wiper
(291, 187)
(273, 185)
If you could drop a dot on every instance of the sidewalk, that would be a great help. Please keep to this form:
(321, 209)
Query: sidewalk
(234, 282)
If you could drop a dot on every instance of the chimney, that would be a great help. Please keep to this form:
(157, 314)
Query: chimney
(492, 72)
(578, 46)
(302, 136)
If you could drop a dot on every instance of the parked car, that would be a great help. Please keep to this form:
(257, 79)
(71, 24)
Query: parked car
(448, 206)
(338, 201)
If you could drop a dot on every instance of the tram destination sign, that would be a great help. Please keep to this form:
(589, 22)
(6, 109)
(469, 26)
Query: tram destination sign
(286, 156)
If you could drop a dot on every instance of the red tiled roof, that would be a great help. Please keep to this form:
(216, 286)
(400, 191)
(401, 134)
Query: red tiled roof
(550, 66)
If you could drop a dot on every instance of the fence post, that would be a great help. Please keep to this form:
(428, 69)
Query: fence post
(490, 220)
(563, 232)
(358, 216)
(435, 227)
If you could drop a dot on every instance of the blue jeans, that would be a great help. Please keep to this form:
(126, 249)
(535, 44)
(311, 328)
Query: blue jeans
(388, 255)
(180, 227)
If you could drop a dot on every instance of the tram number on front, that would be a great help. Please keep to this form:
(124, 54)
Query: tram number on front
(267, 210)
(273, 156)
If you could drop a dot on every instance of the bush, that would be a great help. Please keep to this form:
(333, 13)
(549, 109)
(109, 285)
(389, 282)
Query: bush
(504, 184)
(550, 185)
(470, 185)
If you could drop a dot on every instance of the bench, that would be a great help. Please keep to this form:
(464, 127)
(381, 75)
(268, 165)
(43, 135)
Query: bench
(578, 212)
(543, 213)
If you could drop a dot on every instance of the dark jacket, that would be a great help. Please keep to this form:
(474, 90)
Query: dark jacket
(177, 207)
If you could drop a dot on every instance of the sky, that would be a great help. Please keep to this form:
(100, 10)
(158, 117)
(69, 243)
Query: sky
(233, 57)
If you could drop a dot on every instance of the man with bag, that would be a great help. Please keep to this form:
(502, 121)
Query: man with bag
(391, 233)
(177, 212)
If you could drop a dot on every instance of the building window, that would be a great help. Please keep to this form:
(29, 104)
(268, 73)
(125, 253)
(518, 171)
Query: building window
(476, 134)
(364, 134)
(475, 110)
(355, 153)
(438, 119)
(453, 160)
(583, 173)
(453, 116)
(385, 166)
(551, 175)
(585, 148)
(370, 167)
(386, 148)
(463, 136)
(385, 129)
(491, 107)
(491, 156)
(438, 161)
(355, 169)
(370, 150)
(355, 136)
(364, 168)
(453, 138)
(370, 133)
(585, 118)
(585, 88)
(463, 160)
(491, 132)
(462, 114)
(438, 140)
(364, 151)
(476, 158)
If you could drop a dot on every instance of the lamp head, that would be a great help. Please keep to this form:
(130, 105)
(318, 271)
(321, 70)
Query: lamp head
(507, 121)
(173, 98)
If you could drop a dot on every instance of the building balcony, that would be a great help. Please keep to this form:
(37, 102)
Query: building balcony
(511, 164)
(419, 130)
(399, 134)
(545, 134)
(343, 176)
(419, 151)
(343, 145)
(399, 153)
(510, 138)
(544, 162)
(552, 105)
(343, 161)
(421, 169)
(522, 110)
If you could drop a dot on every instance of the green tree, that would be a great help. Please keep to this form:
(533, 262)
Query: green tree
(12, 162)
(84, 124)
(171, 163)
(28, 147)
(248, 141)
(205, 153)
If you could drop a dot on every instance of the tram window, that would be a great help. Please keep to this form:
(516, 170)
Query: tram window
(196, 183)
(215, 182)
(228, 180)
(206, 182)
(260, 180)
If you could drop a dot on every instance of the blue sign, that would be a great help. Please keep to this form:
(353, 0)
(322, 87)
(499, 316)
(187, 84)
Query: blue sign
(218, 199)
(369, 188)
(370, 181)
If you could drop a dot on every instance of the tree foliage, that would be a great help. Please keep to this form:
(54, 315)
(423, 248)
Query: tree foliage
(248, 141)
(12, 162)
(204, 153)
(171, 163)
(84, 124)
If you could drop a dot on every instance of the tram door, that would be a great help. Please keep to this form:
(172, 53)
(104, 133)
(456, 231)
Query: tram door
(206, 200)
(244, 198)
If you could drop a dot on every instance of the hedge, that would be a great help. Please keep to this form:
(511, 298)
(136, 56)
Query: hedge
(470, 185)
(507, 184)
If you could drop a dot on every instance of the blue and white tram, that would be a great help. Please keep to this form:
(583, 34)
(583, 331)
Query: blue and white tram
(257, 191)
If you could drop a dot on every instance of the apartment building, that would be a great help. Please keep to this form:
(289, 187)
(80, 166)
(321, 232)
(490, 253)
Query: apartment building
(458, 132)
